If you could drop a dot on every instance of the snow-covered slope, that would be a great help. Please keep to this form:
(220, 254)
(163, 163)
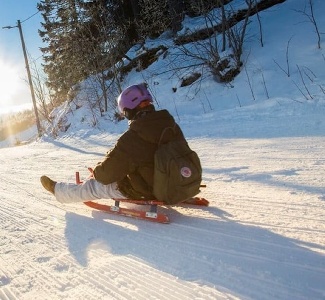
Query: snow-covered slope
(263, 235)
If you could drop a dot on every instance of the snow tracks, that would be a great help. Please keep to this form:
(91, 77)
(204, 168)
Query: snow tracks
(262, 237)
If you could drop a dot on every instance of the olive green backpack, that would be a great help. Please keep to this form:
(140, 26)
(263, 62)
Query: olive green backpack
(177, 171)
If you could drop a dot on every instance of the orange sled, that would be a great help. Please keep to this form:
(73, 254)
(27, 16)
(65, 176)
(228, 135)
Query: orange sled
(149, 215)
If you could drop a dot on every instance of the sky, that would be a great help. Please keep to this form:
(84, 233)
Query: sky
(14, 90)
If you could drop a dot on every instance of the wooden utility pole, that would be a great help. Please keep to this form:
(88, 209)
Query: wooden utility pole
(39, 130)
(29, 79)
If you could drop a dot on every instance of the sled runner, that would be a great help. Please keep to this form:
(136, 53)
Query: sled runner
(152, 214)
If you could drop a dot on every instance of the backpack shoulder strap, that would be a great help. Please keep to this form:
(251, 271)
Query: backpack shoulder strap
(164, 131)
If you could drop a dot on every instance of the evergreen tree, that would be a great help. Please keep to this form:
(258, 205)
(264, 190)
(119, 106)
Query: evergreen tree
(83, 37)
(88, 37)
(63, 63)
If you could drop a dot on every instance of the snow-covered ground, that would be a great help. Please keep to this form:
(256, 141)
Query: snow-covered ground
(263, 235)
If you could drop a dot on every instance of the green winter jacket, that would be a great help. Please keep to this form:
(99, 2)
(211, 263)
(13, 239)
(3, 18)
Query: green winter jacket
(131, 162)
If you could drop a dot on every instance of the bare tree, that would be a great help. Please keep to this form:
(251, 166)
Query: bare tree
(309, 13)
(259, 24)
(224, 65)
(237, 34)
(287, 70)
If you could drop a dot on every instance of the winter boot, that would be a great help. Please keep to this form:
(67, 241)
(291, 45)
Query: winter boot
(48, 184)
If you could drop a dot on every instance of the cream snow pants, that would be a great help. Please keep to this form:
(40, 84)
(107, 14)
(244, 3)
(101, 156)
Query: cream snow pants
(90, 189)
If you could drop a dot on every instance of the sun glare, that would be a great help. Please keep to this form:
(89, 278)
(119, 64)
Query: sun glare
(10, 83)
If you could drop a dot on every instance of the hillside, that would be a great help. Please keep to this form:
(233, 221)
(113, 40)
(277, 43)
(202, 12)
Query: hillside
(287, 65)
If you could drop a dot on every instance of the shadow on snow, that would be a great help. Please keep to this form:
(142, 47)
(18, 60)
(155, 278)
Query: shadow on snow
(211, 250)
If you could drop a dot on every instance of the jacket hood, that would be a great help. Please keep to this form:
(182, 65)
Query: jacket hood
(150, 126)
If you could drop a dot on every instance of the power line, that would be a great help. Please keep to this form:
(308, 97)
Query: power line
(30, 17)
(35, 59)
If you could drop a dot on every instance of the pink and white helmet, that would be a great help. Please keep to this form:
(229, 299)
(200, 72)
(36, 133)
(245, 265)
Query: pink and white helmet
(132, 96)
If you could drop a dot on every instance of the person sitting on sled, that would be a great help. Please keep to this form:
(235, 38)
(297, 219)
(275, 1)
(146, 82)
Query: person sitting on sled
(127, 170)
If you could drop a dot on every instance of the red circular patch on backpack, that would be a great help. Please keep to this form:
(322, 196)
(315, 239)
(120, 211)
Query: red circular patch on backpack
(186, 172)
